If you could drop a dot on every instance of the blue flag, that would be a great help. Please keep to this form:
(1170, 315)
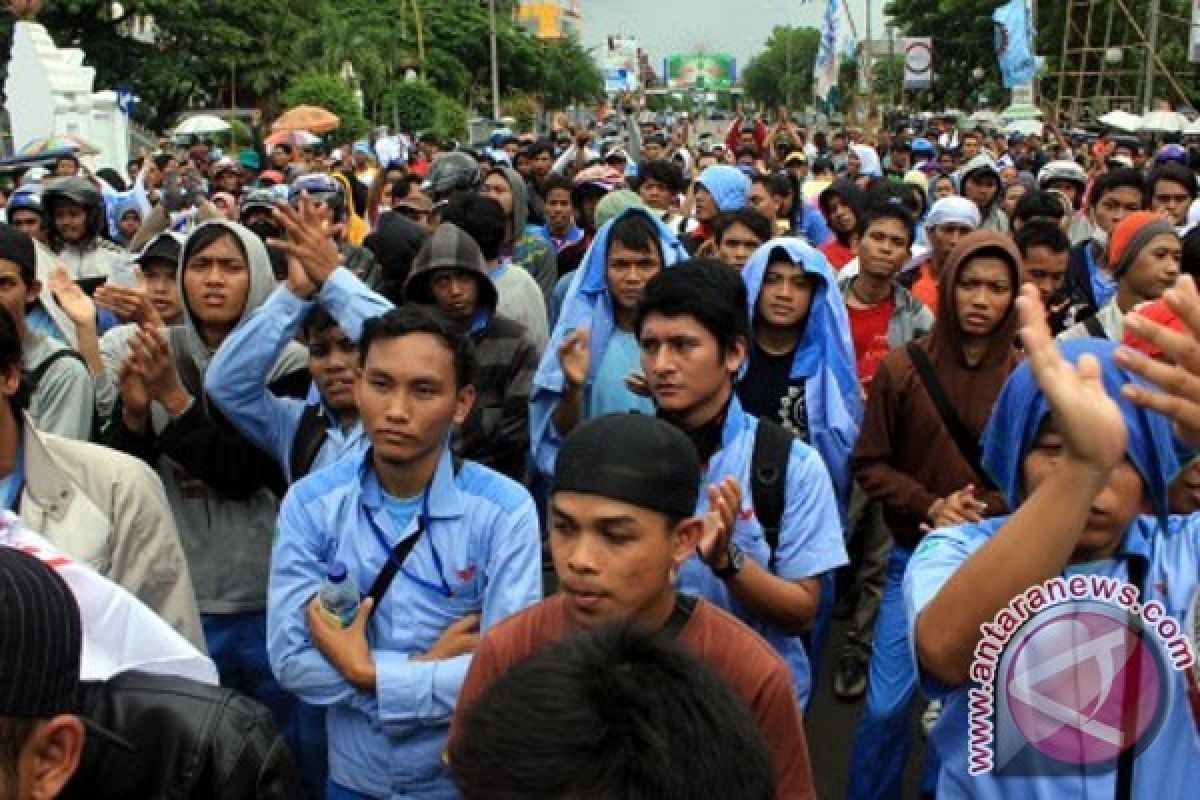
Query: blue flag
(825, 70)
(1014, 43)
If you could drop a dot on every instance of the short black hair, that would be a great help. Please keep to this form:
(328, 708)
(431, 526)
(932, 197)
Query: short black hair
(704, 289)
(14, 733)
(10, 356)
(751, 218)
(663, 171)
(1041, 232)
(614, 712)
(317, 322)
(776, 183)
(421, 319)
(555, 181)
(1174, 172)
(162, 159)
(539, 147)
(1116, 179)
(402, 187)
(637, 232)
(481, 217)
(746, 151)
(1039, 204)
(897, 211)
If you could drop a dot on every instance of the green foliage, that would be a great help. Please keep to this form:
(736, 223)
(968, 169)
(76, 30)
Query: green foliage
(414, 106)
(450, 119)
(783, 73)
(523, 108)
(329, 92)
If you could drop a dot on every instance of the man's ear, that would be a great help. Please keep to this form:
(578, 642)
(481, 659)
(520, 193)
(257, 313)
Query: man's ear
(33, 291)
(464, 403)
(684, 539)
(51, 755)
(736, 355)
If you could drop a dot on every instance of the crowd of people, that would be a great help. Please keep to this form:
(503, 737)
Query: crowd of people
(607, 427)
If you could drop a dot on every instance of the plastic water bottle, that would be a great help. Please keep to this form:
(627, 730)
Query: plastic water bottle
(339, 596)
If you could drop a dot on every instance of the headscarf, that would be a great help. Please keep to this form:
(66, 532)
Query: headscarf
(868, 160)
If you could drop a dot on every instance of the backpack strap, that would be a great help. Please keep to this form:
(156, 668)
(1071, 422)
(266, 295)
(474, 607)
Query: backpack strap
(34, 377)
(768, 478)
(967, 444)
(1094, 328)
(310, 435)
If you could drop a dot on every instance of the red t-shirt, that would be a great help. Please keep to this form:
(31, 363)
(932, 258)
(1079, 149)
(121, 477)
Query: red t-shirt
(839, 255)
(869, 328)
(925, 288)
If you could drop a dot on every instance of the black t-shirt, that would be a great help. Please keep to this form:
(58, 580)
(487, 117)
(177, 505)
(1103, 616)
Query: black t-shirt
(767, 391)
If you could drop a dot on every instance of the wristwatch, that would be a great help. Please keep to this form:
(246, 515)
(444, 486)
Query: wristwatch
(735, 561)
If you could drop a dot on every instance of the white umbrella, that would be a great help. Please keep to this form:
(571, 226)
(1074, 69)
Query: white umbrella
(987, 119)
(1164, 122)
(1122, 120)
(201, 124)
(1025, 127)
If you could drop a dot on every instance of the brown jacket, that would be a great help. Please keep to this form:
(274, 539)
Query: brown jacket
(905, 457)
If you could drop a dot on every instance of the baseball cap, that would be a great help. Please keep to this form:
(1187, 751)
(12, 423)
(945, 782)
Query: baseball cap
(795, 157)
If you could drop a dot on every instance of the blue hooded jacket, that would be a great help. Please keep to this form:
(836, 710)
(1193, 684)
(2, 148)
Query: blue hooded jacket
(824, 358)
(729, 187)
(588, 304)
(1166, 761)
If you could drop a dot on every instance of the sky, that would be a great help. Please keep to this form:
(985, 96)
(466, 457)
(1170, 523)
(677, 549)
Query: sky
(739, 27)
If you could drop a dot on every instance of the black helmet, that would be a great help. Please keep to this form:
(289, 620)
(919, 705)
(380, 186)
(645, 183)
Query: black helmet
(75, 189)
(453, 172)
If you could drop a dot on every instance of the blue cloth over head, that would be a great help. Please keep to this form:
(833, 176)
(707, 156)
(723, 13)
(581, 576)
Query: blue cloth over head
(729, 187)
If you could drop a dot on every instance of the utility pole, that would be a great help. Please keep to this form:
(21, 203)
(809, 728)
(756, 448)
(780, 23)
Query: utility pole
(867, 70)
(1151, 51)
(495, 60)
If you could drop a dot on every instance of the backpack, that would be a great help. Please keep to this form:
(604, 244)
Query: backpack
(768, 479)
(310, 435)
(34, 377)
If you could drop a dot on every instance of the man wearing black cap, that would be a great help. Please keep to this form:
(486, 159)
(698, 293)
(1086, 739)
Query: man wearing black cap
(622, 523)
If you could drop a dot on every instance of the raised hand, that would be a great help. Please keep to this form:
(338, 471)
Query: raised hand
(158, 370)
(724, 501)
(78, 307)
(311, 243)
(575, 356)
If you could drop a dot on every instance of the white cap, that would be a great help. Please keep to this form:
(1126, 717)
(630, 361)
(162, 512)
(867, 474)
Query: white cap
(953, 209)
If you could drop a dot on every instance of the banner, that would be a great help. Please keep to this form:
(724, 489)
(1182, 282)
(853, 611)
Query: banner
(825, 70)
(918, 62)
(622, 71)
(1014, 43)
(711, 71)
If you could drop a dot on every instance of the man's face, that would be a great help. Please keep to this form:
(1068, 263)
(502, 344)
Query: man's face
(653, 151)
(407, 398)
(970, 147)
(1069, 188)
(901, 159)
(839, 144)
(281, 157)
(983, 295)
(628, 272)
(786, 295)
(333, 362)
(943, 238)
(29, 221)
(684, 366)
(496, 187)
(560, 214)
(1115, 205)
(70, 219)
(737, 245)
(216, 282)
(1156, 268)
(130, 224)
(1045, 269)
(943, 187)
(1183, 495)
(227, 181)
(655, 194)
(66, 167)
(1171, 198)
(842, 218)
(762, 200)
(15, 295)
(981, 189)
(883, 248)
(947, 160)
(542, 163)
(158, 276)
(456, 293)
(706, 206)
(512, 149)
(747, 140)
(614, 560)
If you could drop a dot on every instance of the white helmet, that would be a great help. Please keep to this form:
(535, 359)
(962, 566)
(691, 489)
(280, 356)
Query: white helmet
(1062, 171)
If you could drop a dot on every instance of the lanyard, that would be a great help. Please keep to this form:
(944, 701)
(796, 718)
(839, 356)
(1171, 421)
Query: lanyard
(442, 589)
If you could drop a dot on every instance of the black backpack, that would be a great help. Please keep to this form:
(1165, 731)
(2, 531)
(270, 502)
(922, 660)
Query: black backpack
(310, 435)
(34, 377)
(768, 479)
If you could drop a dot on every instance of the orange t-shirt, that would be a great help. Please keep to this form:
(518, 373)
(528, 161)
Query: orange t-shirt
(925, 288)
(754, 670)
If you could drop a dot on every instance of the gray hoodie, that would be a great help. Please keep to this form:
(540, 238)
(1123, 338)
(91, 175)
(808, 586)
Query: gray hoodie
(529, 250)
(994, 218)
(227, 541)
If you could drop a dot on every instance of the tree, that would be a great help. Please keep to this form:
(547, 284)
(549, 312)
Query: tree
(569, 74)
(783, 73)
(331, 93)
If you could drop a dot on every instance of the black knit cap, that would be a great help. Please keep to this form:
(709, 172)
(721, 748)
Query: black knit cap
(17, 246)
(633, 458)
(41, 637)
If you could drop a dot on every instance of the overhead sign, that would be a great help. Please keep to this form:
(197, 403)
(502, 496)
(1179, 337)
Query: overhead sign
(700, 71)
(918, 62)
(622, 71)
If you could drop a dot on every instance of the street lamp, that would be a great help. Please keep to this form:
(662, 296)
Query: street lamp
(977, 73)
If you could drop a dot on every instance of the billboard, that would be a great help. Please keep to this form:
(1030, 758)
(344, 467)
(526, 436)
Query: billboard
(918, 62)
(700, 71)
(622, 72)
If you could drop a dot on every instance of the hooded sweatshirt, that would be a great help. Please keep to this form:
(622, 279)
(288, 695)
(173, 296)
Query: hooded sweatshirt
(95, 256)
(588, 304)
(1169, 759)
(906, 457)
(838, 248)
(496, 434)
(994, 218)
(529, 250)
(868, 160)
(823, 399)
(395, 242)
(218, 484)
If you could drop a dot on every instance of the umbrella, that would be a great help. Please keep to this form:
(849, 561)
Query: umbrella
(1025, 127)
(45, 157)
(293, 138)
(307, 118)
(46, 144)
(201, 124)
(1193, 129)
(987, 119)
(1122, 120)
(1164, 122)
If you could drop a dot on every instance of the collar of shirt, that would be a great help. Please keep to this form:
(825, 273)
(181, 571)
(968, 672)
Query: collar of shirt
(445, 502)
